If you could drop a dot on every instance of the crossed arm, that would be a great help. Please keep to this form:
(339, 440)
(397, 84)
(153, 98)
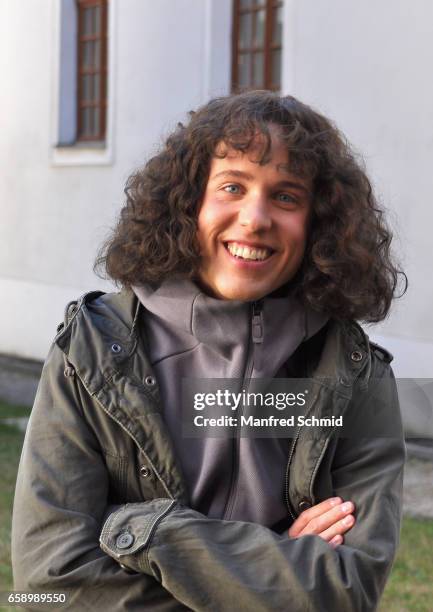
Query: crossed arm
(65, 538)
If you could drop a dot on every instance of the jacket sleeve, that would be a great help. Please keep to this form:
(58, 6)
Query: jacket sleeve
(60, 502)
(222, 565)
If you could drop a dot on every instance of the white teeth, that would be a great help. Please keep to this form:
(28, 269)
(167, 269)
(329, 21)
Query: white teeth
(248, 253)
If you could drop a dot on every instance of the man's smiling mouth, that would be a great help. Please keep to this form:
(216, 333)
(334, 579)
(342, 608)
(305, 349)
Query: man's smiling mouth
(250, 253)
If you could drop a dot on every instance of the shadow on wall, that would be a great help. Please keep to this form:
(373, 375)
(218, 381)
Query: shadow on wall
(19, 380)
(416, 400)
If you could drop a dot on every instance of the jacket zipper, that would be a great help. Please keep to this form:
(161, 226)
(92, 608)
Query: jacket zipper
(286, 488)
(289, 461)
(256, 337)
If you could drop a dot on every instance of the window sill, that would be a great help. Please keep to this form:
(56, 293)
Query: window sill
(84, 153)
(83, 144)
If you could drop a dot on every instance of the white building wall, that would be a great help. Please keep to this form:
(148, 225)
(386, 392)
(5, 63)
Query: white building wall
(367, 65)
(56, 206)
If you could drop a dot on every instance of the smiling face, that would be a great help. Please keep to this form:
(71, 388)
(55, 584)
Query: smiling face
(252, 224)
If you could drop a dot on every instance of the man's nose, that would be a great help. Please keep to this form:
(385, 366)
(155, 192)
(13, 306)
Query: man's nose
(255, 215)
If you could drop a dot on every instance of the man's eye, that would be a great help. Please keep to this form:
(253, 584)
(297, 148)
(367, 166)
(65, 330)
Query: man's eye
(235, 189)
(286, 198)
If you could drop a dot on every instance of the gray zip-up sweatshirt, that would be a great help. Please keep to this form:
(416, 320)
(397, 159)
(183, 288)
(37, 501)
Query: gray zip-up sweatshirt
(192, 335)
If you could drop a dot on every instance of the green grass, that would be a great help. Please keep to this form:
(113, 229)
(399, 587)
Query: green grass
(11, 441)
(7, 411)
(409, 589)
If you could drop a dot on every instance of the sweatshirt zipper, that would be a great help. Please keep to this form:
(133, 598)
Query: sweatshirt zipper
(256, 337)
(257, 323)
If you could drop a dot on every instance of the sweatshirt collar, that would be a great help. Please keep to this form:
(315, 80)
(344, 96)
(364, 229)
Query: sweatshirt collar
(224, 324)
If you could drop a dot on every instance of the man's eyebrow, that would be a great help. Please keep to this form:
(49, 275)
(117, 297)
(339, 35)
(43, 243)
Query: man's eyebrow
(234, 173)
(294, 184)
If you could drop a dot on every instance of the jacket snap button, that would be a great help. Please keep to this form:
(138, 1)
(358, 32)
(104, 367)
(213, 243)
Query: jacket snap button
(116, 348)
(356, 356)
(127, 569)
(345, 383)
(69, 371)
(304, 505)
(125, 540)
(150, 381)
(145, 472)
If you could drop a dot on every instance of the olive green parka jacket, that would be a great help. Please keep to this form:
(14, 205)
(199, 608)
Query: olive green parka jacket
(101, 508)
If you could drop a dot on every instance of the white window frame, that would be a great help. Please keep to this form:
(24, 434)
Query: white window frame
(78, 153)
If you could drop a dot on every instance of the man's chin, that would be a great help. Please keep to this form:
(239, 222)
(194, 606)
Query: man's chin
(247, 294)
(229, 289)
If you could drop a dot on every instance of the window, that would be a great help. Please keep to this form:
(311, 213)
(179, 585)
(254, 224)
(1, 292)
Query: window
(92, 70)
(83, 100)
(257, 42)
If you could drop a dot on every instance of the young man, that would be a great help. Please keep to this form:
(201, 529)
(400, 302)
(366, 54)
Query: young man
(247, 249)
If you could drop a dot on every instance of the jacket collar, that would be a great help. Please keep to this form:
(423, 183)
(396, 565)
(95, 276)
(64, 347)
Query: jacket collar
(345, 357)
(99, 321)
(99, 334)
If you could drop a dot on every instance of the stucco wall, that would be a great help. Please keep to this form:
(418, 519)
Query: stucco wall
(166, 58)
(367, 65)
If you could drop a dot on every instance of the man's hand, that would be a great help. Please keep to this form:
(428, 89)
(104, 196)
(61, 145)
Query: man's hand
(329, 520)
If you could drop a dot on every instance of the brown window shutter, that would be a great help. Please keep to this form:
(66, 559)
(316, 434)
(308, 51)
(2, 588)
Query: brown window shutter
(256, 44)
(92, 35)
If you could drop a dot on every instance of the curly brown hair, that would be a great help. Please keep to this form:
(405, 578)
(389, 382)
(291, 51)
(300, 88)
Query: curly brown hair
(347, 270)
